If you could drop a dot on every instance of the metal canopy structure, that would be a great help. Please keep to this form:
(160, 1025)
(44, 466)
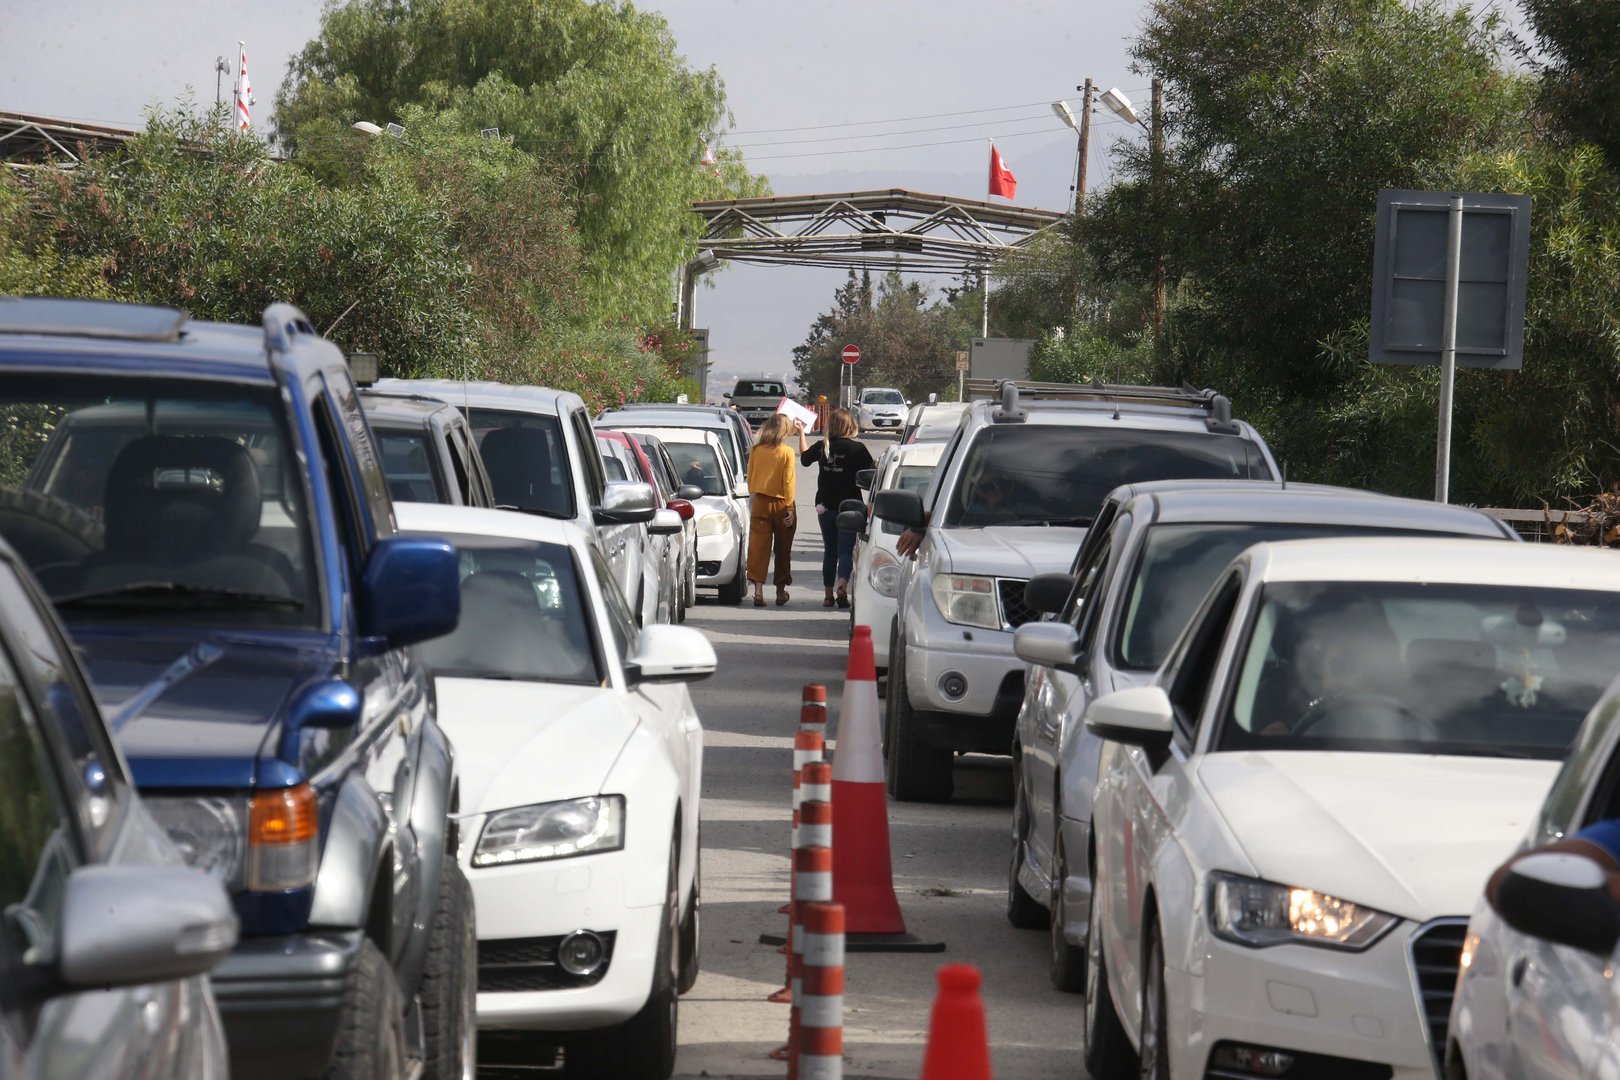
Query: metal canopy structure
(29, 141)
(892, 229)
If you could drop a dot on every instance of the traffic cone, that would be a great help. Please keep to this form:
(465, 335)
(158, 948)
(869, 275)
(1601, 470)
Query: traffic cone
(863, 876)
(958, 1045)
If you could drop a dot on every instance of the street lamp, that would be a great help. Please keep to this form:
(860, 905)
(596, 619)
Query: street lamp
(1065, 114)
(366, 127)
(1120, 105)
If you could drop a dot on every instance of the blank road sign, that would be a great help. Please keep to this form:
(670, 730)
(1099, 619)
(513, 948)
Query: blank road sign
(1409, 279)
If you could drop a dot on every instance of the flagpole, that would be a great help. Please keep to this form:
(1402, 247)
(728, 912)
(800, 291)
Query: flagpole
(236, 95)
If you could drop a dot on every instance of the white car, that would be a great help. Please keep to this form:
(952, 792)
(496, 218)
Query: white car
(1293, 820)
(663, 562)
(875, 579)
(722, 509)
(581, 763)
(881, 408)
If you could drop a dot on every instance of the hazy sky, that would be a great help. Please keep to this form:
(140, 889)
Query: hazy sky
(805, 66)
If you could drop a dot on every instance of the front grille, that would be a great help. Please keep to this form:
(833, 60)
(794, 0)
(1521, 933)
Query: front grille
(1014, 612)
(1436, 955)
(511, 965)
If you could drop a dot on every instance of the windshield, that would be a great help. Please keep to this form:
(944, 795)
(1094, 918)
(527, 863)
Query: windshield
(526, 461)
(748, 388)
(1179, 564)
(882, 397)
(408, 463)
(523, 616)
(908, 478)
(1490, 670)
(1033, 474)
(697, 463)
(177, 501)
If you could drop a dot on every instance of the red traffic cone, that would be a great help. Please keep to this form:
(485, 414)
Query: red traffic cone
(863, 876)
(958, 1045)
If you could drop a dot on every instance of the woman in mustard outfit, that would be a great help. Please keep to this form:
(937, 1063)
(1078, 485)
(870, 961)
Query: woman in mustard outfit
(771, 474)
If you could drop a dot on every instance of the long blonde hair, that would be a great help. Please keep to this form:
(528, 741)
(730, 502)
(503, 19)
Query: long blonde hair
(773, 431)
(841, 424)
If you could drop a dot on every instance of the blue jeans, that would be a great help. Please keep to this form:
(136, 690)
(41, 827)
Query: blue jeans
(837, 549)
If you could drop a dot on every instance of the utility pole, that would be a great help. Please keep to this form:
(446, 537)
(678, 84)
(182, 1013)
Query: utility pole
(1157, 137)
(219, 75)
(1085, 142)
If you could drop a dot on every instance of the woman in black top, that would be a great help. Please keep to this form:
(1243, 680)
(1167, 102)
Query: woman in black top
(840, 457)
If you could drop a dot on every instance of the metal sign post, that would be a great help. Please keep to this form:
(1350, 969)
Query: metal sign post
(1448, 351)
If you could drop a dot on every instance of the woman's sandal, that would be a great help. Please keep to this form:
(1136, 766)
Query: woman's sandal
(827, 602)
(781, 597)
(759, 601)
(843, 598)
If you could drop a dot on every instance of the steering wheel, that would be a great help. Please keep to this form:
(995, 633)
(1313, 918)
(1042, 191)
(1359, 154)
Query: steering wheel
(1338, 705)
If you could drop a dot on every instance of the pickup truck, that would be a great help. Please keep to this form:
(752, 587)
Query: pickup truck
(205, 506)
(755, 399)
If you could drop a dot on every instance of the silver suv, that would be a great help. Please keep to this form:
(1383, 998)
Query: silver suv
(1012, 498)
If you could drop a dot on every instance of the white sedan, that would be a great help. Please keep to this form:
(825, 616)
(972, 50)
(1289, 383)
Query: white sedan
(581, 763)
(1293, 821)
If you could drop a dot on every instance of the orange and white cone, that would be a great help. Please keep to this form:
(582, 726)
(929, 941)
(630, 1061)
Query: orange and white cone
(863, 875)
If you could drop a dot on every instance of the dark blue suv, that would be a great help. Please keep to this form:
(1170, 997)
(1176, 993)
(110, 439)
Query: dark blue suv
(206, 507)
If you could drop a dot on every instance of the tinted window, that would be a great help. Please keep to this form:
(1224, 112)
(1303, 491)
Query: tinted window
(758, 388)
(882, 397)
(1052, 473)
(908, 478)
(526, 461)
(615, 470)
(1489, 670)
(408, 460)
(697, 463)
(523, 616)
(173, 500)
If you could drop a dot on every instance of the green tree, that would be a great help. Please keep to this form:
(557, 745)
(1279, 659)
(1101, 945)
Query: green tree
(595, 89)
(1580, 82)
(906, 341)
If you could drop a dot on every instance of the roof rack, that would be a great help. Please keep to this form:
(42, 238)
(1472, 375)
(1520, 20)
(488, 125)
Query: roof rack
(90, 318)
(1012, 392)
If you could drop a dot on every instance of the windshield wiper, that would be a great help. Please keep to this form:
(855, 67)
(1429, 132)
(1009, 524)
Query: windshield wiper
(143, 593)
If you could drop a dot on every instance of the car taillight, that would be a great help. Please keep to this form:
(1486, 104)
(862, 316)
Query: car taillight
(283, 839)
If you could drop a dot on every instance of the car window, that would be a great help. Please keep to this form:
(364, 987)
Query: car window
(1060, 473)
(758, 388)
(1191, 685)
(882, 397)
(621, 623)
(908, 478)
(697, 463)
(595, 474)
(180, 499)
(615, 470)
(524, 616)
(1090, 589)
(373, 480)
(411, 466)
(1478, 669)
(526, 461)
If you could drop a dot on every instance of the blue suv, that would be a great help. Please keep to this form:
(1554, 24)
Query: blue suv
(206, 507)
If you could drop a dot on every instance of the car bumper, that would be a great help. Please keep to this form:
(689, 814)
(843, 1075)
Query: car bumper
(994, 676)
(1299, 999)
(717, 559)
(519, 904)
(281, 998)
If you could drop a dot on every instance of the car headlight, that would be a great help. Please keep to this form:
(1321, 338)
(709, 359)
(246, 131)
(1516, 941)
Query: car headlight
(210, 831)
(1260, 913)
(555, 830)
(714, 524)
(884, 573)
(967, 600)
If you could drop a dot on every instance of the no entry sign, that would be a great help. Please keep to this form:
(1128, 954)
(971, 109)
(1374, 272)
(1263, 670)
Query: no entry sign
(852, 354)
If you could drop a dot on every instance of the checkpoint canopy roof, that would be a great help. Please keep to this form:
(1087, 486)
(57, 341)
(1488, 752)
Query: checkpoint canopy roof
(890, 229)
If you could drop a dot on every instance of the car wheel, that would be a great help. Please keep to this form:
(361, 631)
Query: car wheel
(643, 1047)
(1106, 1052)
(1022, 909)
(915, 770)
(732, 592)
(1067, 965)
(692, 928)
(1155, 1042)
(371, 1026)
(449, 991)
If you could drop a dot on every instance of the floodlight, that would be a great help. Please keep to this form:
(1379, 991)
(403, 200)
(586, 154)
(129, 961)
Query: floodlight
(1065, 114)
(1120, 105)
(396, 130)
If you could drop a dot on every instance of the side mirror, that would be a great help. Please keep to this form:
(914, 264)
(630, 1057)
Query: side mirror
(1140, 716)
(1046, 594)
(626, 502)
(852, 521)
(865, 478)
(689, 492)
(904, 508)
(666, 522)
(127, 925)
(1049, 644)
(683, 508)
(739, 489)
(726, 396)
(665, 654)
(410, 591)
(1560, 897)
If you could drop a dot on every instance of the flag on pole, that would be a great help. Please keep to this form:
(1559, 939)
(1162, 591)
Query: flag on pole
(1002, 181)
(244, 93)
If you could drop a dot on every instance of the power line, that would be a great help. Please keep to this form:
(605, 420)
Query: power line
(1047, 130)
(904, 119)
(887, 134)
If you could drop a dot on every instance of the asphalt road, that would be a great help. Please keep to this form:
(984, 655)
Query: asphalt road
(949, 867)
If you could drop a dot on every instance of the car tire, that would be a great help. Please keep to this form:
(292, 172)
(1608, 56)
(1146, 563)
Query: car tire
(1155, 1041)
(692, 926)
(915, 770)
(733, 591)
(371, 1026)
(1023, 911)
(1066, 966)
(449, 991)
(643, 1047)
(1105, 1050)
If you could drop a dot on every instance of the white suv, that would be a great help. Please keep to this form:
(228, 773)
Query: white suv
(1012, 497)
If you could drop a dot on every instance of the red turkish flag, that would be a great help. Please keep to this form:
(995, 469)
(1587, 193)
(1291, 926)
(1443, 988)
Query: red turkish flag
(1002, 181)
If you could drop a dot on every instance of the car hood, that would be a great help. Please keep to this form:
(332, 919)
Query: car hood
(519, 743)
(1016, 551)
(197, 711)
(1410, 834)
